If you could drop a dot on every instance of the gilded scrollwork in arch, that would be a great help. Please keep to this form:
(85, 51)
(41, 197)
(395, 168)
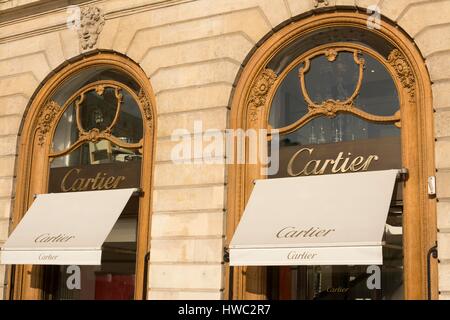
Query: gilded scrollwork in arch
(404, 72)
(331, 107)
(331, 54)
(47, 117)
(146, 105)
(259, 92)
(95, 134)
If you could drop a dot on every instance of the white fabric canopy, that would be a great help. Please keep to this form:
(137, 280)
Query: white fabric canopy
(316, 220)
(65, 228)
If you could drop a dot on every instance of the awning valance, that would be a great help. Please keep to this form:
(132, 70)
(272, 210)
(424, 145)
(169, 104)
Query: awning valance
(316, 220)
(65, 228)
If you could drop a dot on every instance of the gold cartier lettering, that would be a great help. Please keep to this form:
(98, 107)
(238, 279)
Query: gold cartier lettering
(325, 165)
(72, 181)
(47, 237)
(293, 232)
(88, 182)
(117, 181)
(369, 160)
(356, 164)
(289, 168)
(314, 170)
(341, 164)
(78, 185)
(335, 168)
(98, 181)
(109, 183)
(63, 182)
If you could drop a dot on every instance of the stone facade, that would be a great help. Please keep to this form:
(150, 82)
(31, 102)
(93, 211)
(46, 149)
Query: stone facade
(192, 52)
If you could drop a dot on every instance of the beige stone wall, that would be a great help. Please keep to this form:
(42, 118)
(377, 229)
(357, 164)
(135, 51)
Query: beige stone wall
(192, 51)
(8, 4)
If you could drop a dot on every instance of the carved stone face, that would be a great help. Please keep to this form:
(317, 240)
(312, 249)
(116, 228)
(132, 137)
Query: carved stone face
(91, 24)
(318, 2)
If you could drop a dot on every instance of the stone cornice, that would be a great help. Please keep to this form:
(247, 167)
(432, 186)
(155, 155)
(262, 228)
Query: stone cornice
(57, 8)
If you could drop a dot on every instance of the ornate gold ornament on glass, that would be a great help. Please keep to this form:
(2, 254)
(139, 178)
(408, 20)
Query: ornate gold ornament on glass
(331, 108)
(259, 92)
(95, 134)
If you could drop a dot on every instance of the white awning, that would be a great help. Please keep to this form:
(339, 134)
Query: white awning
(65, 228)
(317, 220)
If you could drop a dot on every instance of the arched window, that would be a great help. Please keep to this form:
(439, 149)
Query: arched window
(90, 128)
(343, 98)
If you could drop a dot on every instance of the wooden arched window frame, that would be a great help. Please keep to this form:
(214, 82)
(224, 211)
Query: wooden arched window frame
(251, 102)
(35, 155)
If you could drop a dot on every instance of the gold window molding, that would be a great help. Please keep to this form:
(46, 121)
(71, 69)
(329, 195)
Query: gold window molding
(35, 155)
